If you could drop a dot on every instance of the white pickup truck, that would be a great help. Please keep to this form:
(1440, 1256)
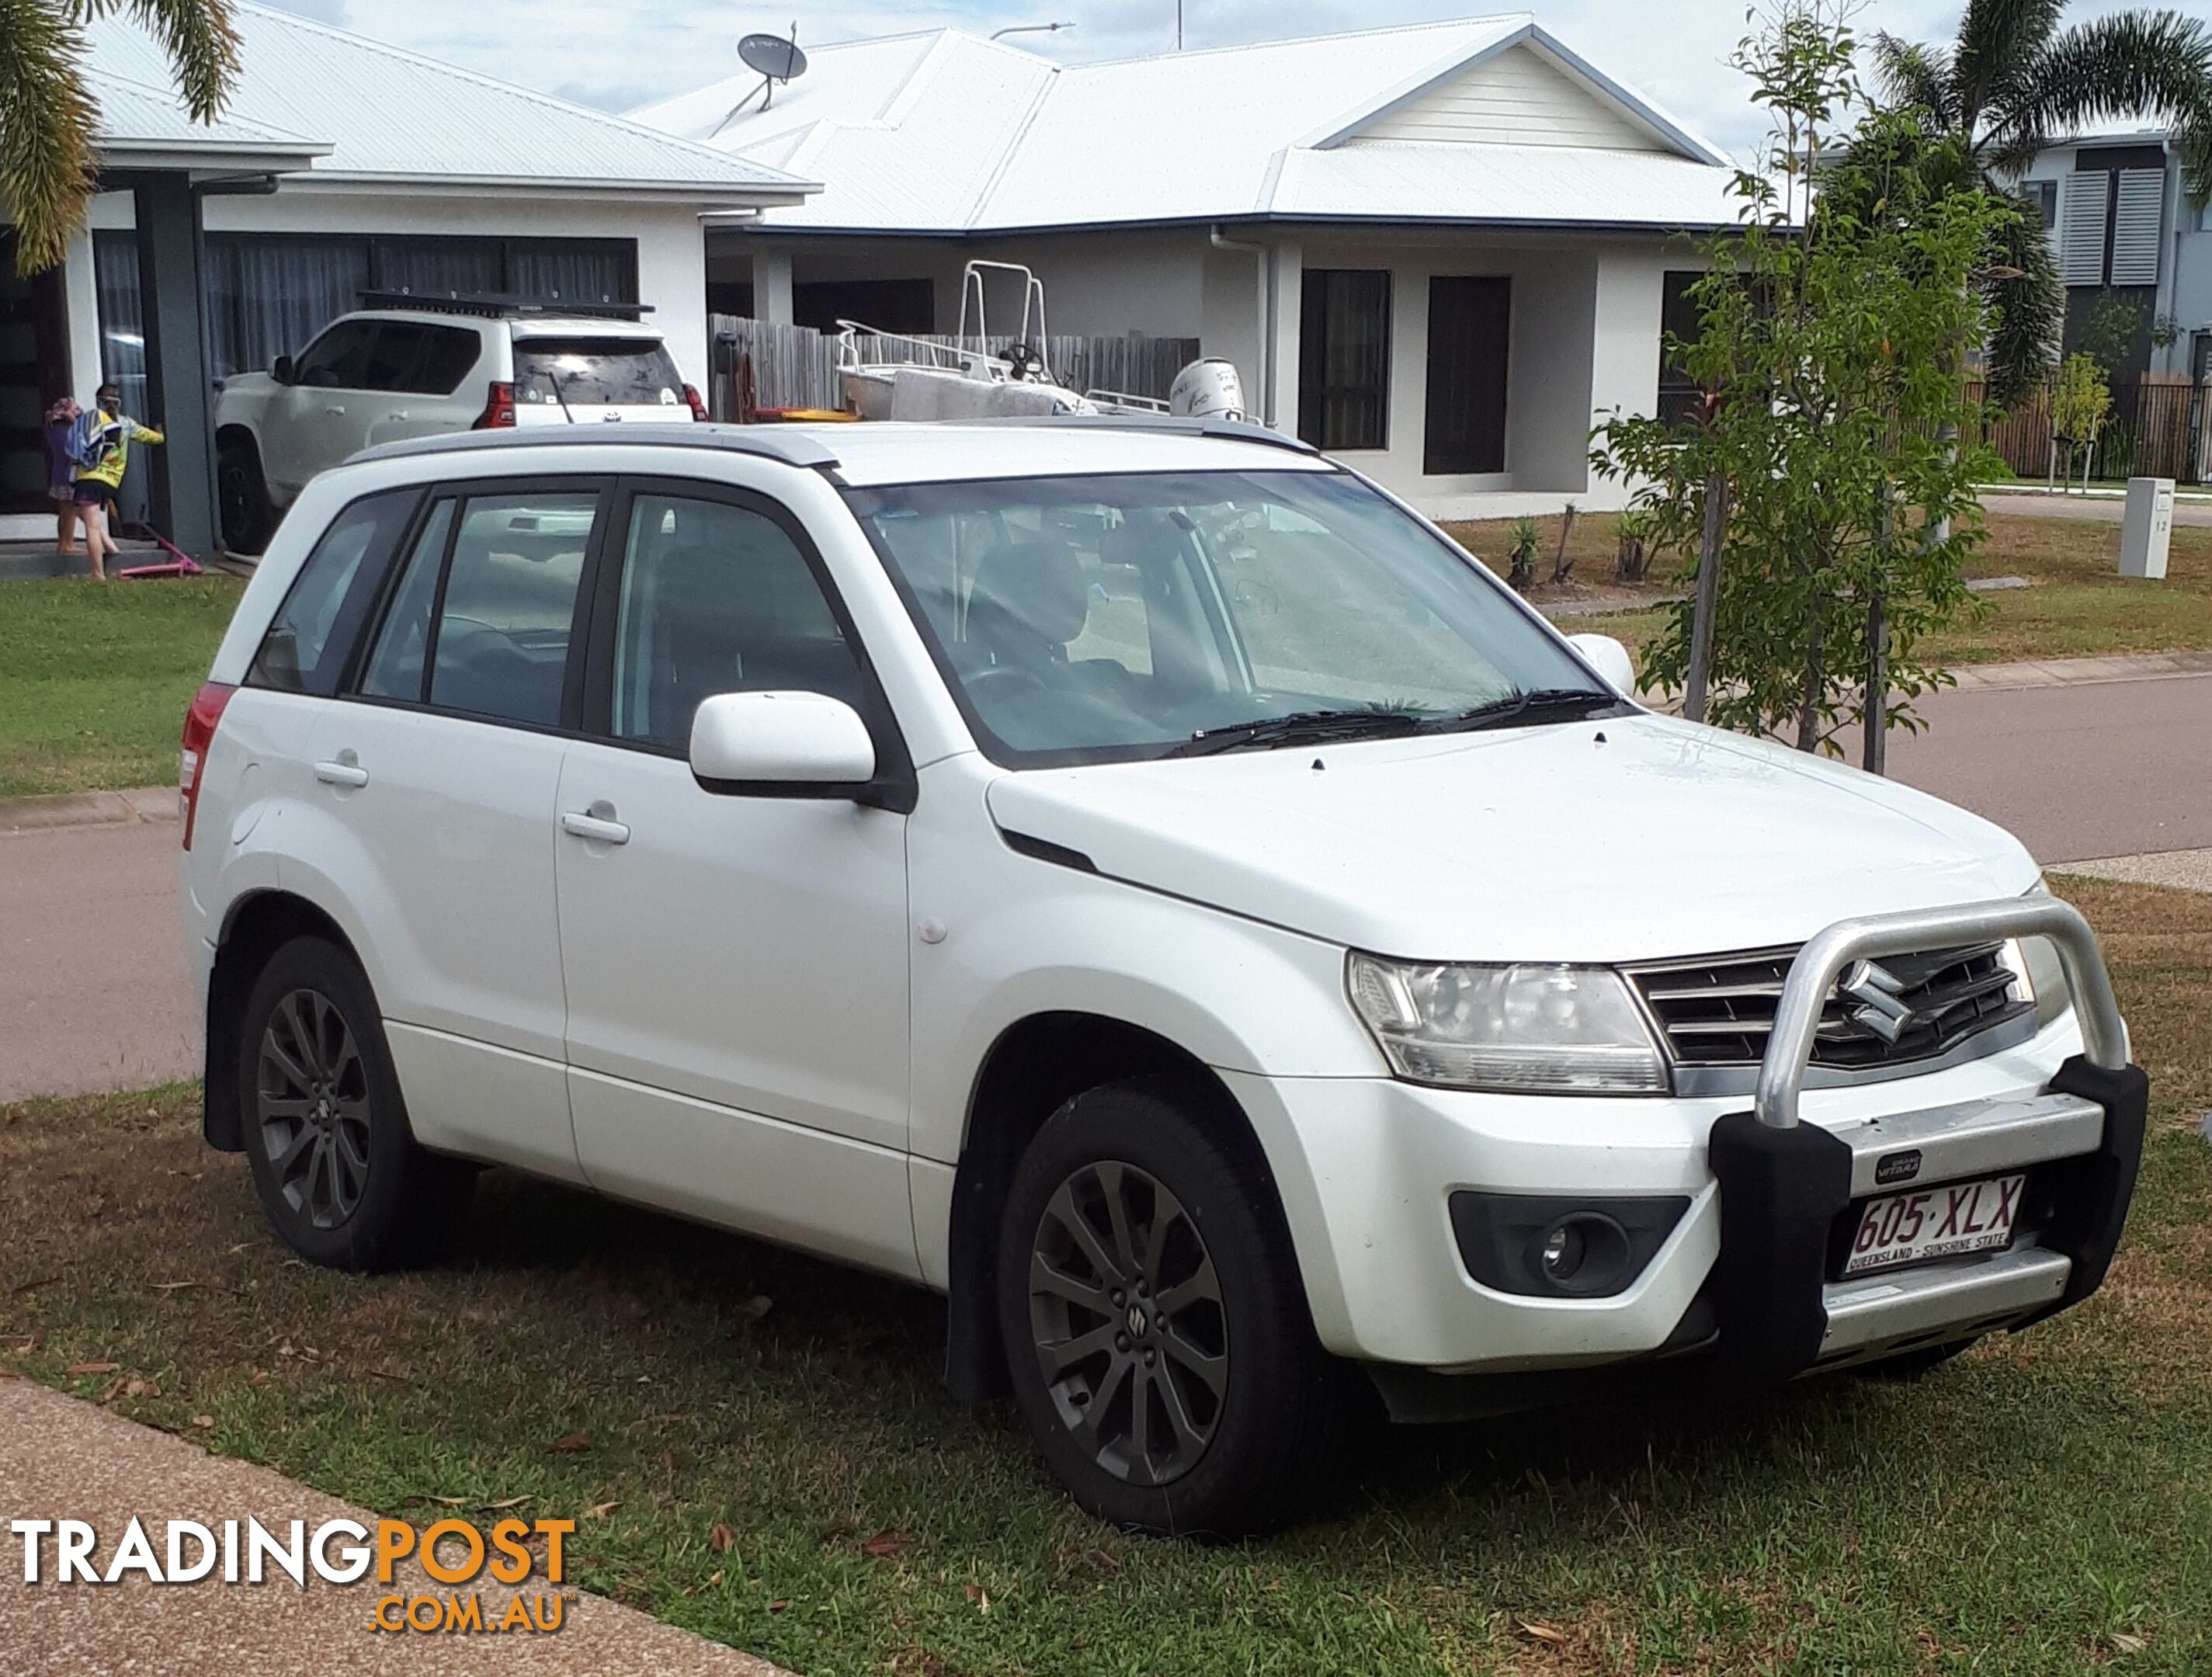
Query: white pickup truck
(1142, 881)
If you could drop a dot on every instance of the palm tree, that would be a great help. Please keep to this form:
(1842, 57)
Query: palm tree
(48, 113)
(2012, 82)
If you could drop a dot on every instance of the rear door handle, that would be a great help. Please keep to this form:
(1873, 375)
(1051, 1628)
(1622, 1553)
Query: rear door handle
(598, 823)
(343, 772)
(334, 408)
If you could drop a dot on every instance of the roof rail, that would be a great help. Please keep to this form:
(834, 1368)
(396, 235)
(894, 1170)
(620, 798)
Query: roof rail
(1234, 431)
(498, 307)
(773, 442)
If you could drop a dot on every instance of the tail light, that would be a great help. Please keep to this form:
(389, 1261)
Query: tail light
(199, 733)
(498, 413)
(698, 408)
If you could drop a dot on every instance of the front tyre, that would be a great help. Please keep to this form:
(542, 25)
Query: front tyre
(335, 1165)
(1155, 1325)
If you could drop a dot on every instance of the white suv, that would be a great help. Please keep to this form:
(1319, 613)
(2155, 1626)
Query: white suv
(1142, 881)
(421, 369)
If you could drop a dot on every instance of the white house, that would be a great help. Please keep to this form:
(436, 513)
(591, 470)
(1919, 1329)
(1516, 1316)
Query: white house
(1443, 250)
(340, 164)
(2124, 228)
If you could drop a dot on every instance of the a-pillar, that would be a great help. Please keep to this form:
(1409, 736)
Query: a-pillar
(180, 393)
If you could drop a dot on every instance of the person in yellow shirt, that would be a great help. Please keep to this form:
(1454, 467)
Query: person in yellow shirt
(101, 448)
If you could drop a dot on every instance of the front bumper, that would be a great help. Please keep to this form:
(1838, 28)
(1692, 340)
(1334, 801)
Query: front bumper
(1367, 1170)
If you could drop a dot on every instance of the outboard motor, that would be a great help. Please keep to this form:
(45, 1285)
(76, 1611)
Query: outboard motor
(1208, 389)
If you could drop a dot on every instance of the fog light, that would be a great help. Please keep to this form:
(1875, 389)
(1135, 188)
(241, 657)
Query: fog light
(1563, 1252)
(1541, 1245)
(1584, 1252)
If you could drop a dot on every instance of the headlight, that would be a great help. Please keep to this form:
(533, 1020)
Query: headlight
(1519, 1030)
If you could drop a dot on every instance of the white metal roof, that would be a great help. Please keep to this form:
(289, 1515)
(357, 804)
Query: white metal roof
(945, 131)
(388, 117)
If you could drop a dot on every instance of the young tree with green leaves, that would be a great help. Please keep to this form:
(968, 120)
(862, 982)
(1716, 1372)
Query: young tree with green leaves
(2012, 82)
(1830, 345)
(48, 111)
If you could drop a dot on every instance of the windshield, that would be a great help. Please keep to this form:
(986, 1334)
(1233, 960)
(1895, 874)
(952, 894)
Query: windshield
(1109, 618)
(597, 372)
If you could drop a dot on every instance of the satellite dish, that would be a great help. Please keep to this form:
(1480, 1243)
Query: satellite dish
(775, 57)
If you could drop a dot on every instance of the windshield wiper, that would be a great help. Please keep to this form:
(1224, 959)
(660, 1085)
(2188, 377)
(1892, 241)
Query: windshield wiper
(1297, 727)
(1548, 704)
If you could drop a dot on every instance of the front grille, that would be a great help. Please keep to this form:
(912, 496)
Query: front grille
(1719, 1011)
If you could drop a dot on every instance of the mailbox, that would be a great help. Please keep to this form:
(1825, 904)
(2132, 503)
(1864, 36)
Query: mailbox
(2148, 530)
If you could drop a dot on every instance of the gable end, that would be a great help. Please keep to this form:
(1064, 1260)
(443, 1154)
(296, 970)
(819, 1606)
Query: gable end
(1518, 98)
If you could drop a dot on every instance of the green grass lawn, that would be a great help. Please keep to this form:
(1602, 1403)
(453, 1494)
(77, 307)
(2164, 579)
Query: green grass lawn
(94, 678)
(2045, 1506)
(2077, 605)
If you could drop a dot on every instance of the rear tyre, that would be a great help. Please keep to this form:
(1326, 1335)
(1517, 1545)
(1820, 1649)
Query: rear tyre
(335, 1164)
(1155, 1324)
(242, 496)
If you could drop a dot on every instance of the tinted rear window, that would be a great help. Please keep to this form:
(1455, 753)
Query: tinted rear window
(622, 372)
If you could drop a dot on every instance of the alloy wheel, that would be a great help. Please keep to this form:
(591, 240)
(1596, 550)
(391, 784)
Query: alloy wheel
(1126, 1320)
(311, 1095)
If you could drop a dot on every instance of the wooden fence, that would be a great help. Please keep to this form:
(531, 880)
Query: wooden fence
(796, 367)
(2155, 430)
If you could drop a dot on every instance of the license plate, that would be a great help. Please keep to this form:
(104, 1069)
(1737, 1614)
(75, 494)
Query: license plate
(1936, 1222)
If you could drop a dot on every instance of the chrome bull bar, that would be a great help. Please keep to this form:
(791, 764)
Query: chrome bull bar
(1813, 974)
(1786, 1187)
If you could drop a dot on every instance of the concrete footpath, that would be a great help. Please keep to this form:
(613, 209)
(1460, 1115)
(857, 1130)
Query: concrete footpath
(61, 1459)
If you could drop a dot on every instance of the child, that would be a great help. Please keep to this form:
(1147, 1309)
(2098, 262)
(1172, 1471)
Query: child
(61, 473)
(101, 446)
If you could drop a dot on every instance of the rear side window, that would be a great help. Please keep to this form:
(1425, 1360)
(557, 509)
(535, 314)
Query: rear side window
(395, 668)
(501, 644)
(601, 372)
(308, 639)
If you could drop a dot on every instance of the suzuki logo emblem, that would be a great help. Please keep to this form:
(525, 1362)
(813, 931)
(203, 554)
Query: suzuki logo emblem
(1877, 988)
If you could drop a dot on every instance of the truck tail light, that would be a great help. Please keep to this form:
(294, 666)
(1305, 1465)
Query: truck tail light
(199, 733)
(498, 413)
(698, 408)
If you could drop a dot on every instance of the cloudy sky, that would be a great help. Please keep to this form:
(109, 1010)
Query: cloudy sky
(618, 54)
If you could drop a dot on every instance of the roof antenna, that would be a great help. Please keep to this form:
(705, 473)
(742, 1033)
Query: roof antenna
(776, 59)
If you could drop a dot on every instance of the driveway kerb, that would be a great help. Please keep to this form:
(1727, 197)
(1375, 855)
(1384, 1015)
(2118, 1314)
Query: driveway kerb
(87, 809)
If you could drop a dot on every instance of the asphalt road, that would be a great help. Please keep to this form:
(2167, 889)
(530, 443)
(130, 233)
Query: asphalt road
(2111, 769)
(93, 993)
(2098, 509)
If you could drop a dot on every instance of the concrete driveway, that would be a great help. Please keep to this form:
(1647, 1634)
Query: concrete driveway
(93, 993)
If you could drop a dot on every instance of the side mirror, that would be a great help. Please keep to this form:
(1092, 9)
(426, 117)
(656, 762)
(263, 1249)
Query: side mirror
(281, 370)
(1609, 658)
(795, 744)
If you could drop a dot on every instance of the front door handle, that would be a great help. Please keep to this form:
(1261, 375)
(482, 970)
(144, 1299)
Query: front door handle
(399, 413)
(598, 823)
(341, 771)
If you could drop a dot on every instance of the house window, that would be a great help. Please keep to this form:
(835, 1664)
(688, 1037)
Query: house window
(269, 293)
(1470, 326)
(2043, 195)
(1344, 358)
(122, 315)
(1680, 397)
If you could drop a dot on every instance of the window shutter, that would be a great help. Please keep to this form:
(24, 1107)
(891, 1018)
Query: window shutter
(2136, 226)
(2081, 201)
